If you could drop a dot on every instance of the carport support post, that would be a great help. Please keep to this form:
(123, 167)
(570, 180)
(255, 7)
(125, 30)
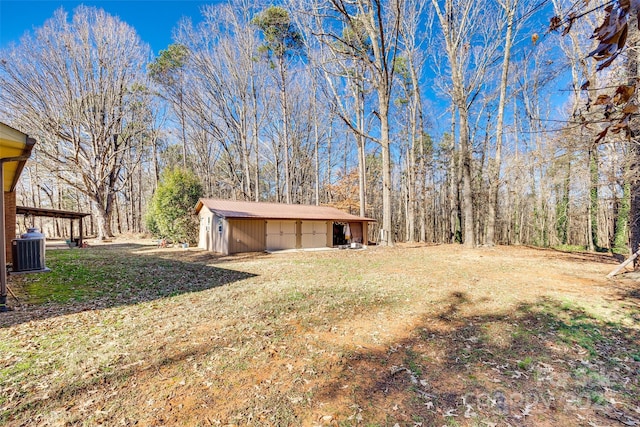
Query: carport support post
(3, 241)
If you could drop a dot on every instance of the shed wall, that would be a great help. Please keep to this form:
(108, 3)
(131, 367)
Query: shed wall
(357, 232)
(247, 236)
(365, 233)
(9, 222)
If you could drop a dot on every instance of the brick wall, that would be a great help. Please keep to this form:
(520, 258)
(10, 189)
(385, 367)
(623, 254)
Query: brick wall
(9, 221)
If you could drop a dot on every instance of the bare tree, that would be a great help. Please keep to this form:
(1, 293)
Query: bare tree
(369, 31)
(576, 48)
(509, 7)
(168, 71)
(344, 82)
(618, 31)
(459, 21)
(71, 84)
(225, 85)
(282, 41)
(411, 78)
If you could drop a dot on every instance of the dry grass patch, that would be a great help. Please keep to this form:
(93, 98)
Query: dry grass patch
(410, 336)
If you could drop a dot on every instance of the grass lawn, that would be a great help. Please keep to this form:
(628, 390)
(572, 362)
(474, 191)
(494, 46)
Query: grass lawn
(128, 334)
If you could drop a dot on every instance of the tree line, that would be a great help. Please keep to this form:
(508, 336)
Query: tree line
(445, 120)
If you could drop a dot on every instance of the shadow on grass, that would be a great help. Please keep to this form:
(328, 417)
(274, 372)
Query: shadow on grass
(633, 294)
(581, 256)
(110, 276)
(99, 246)
(540, 364)
(32, 408)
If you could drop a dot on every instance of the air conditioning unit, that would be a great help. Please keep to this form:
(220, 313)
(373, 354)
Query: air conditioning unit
(28, 252)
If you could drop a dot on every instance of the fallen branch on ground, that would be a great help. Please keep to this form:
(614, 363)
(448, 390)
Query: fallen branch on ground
(624, 264)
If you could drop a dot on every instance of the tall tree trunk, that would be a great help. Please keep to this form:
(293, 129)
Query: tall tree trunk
(276, 159)
(316, 155)
(634, 151)
(454, 178)
(469, 240)
(156, 162)
(285, 132)
(58, 205)
(411, 183)
(329, 165)
(517, 224)
(417, 126)
(183, 124)
(361, 142)
(422, 203)
(593, 200)
(256, 126)
(562, 207)
(103, 209)
(362, 175)
(457, 33)
(387, 234)
(104, 223)
(139, 201)
(118, 216)
(246, 163)
(621, 225)
(383, 84)
(494, 166)
(131, 207)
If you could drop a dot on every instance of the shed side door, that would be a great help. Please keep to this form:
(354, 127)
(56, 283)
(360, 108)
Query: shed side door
(314, 234)
(281, 235)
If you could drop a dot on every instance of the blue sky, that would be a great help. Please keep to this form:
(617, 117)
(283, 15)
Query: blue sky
(154, 20)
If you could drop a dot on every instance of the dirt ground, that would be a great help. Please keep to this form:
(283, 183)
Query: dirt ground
(410, 336)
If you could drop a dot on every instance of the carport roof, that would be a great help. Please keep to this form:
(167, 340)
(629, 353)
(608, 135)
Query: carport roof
(51, 213)
(232, 209)
(15, 149)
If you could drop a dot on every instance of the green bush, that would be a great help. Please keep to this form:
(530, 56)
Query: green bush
(171, 211)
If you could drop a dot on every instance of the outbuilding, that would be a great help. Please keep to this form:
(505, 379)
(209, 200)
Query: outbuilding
(229, 226)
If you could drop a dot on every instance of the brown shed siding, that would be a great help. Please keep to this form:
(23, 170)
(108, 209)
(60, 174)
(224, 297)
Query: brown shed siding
(247, 235)
(9, 221)
(356, 232)
(365, 233)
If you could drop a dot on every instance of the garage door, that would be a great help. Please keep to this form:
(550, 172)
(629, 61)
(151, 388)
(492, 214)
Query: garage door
(281, 235)
(314, 234)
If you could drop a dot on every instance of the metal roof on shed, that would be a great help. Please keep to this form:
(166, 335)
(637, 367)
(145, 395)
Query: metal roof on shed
(233, 209)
